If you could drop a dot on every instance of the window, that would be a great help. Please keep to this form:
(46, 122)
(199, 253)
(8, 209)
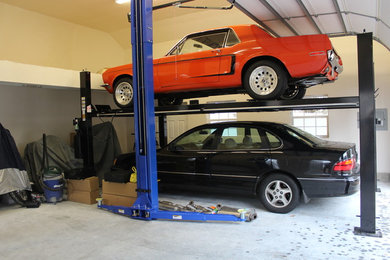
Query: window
(202, 43)
(200, 139)
(313, 121)
(222, 117)
(240, 138)
(232, 39)
(274, 142)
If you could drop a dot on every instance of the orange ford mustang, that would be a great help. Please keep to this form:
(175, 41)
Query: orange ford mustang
(234, 59)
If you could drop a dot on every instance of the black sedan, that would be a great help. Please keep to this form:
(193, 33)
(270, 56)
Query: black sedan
(279, 163)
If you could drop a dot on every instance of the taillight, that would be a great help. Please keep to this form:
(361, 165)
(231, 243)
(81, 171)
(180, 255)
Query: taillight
(345, 166)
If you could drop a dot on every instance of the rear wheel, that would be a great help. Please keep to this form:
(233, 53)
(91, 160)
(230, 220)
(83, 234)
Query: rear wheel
(169, 101)
(293, 92)
(279, 193)
(265, 80)
(123, 93)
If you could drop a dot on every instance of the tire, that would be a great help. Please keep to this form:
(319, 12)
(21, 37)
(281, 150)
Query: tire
(279, 193)
(20, 197)
(123, 93)
(293, 92)
(265, 80)
(169, 101)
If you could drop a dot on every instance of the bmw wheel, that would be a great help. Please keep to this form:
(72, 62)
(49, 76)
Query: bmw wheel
(265, 80)
(123, 93)
(279, 193)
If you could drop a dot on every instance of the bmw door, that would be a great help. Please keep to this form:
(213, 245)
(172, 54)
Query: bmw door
(241, 156)
(183, 161)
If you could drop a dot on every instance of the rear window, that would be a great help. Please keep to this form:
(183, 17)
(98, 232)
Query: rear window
(304, 136)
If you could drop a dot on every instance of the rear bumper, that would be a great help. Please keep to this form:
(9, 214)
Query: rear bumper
(330, 187)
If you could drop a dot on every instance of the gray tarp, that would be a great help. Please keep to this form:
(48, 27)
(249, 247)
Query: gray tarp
(13, 175)
(59, 154)
(105, 146)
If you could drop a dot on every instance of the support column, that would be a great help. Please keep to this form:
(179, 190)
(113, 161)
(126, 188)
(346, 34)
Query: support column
(367, 136)
(85, 126)
(144, 120)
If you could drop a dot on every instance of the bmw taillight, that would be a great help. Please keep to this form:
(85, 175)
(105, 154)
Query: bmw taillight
(345, 167)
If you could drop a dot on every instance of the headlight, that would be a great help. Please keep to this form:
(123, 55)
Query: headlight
(331, 55)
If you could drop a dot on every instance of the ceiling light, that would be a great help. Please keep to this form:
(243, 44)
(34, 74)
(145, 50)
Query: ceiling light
(122, 1)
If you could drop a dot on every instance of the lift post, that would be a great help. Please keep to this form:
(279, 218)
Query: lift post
(368, 172)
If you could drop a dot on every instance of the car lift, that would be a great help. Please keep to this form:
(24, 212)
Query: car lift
(146, 207)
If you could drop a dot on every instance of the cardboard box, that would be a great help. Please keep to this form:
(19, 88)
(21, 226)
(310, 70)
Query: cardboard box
(117, 200)
(88, 184)
(87, 197)
(122, 189)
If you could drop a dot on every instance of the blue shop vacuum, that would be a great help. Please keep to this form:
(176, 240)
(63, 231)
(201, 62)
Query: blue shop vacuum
(52, 178)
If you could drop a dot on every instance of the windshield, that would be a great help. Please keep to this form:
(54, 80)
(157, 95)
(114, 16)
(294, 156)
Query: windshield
(305, 136)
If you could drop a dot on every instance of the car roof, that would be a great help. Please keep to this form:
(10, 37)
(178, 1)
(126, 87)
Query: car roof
(235, 123)
(240, 29)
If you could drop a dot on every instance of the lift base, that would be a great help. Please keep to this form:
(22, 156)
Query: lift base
(232, 215)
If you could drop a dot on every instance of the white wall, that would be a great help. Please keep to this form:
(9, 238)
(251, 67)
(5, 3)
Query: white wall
(32, 38)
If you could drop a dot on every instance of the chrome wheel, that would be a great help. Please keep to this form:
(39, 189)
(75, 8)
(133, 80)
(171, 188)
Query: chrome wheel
(263, 80)
(123, 94)
(278, 193)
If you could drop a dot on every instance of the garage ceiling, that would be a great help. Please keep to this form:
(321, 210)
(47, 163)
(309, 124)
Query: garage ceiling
(280, 17)
(332, 17)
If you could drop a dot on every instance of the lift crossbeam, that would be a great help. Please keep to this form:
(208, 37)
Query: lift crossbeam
(253, 106)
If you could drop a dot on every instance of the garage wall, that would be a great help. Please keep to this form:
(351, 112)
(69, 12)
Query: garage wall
(28, 112)
(29, 37)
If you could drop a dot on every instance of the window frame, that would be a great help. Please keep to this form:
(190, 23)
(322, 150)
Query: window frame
(172, 51)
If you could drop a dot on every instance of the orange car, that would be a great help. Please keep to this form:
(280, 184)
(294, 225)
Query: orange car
(230, 60)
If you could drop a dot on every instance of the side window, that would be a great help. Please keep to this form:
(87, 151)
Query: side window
(200, 139)
(203, 42)
(273, 140)
(231, 138)
(241, 138)
(232, 39)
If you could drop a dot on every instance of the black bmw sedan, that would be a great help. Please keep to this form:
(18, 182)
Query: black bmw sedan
(280, 164)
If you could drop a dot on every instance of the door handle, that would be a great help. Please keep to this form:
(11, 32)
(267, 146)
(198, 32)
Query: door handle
(216, 51)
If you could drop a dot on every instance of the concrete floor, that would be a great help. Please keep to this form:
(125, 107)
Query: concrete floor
(321, 229)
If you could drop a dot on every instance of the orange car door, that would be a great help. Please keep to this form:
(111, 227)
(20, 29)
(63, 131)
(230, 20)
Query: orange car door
(199, 67)
(166, 71)
(199, 58)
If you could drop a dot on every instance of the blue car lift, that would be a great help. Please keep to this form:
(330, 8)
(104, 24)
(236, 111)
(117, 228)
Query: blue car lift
(146, 207)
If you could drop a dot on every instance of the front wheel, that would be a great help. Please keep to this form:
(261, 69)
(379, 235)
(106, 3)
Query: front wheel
(123, 93)
(265, 79)
(279, 193)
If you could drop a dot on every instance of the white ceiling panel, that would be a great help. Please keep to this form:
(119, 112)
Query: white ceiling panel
(333, 17)
(303, 26)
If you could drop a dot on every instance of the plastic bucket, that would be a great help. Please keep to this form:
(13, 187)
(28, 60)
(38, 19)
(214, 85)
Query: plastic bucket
(53, 196)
